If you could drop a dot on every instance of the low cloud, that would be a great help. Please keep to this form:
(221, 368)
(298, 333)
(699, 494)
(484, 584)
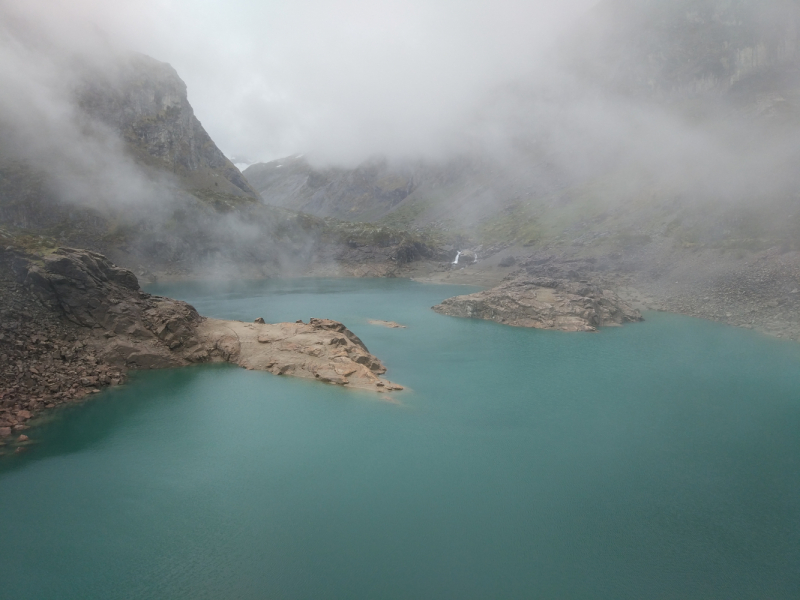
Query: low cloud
(340, 81)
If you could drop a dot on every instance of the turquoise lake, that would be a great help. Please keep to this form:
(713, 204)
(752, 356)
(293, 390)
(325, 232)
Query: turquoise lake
(660, 460)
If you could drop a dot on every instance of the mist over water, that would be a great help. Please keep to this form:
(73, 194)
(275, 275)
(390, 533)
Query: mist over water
(654, 460)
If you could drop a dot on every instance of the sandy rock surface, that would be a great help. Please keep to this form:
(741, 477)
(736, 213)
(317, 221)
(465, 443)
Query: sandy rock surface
(321, 349)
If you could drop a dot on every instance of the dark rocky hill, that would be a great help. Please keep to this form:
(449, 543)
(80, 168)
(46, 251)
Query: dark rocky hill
(145, 101)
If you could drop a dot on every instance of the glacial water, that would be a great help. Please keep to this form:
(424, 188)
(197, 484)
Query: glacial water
(660, 460)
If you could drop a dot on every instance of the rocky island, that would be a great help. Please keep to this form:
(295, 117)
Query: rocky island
(544, 303)
(73, 322)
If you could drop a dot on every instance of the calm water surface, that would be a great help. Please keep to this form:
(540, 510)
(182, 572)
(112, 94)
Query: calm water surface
(659, 460)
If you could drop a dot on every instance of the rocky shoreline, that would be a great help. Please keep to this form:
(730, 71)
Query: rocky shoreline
(72, 323)
(760, 292)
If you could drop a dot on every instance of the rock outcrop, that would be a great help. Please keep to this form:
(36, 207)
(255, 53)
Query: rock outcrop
(543, 303)
(137, 330)
(71, 323)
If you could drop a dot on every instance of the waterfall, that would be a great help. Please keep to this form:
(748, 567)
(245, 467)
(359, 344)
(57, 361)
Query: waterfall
(476, 258)
(455, 262)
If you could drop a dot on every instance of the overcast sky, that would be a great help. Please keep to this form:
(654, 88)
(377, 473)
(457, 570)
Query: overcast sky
(338, 79)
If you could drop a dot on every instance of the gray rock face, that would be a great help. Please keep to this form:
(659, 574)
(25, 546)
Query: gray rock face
(543, 303)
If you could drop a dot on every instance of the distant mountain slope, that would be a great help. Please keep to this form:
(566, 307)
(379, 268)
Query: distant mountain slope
(690, 48)
(455, 193)
(370, 190)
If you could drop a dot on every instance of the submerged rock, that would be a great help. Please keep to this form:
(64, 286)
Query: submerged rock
(543, 303)
(389, 324)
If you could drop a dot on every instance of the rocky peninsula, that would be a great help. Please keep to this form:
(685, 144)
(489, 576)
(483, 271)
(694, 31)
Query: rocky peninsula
(320, 349)
(73, 323)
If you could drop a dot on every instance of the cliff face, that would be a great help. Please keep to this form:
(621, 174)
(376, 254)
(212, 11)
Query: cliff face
(146, 102)
(117, 162)
(122, 166)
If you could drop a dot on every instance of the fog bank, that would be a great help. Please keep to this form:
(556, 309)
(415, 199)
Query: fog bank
(342, 80)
